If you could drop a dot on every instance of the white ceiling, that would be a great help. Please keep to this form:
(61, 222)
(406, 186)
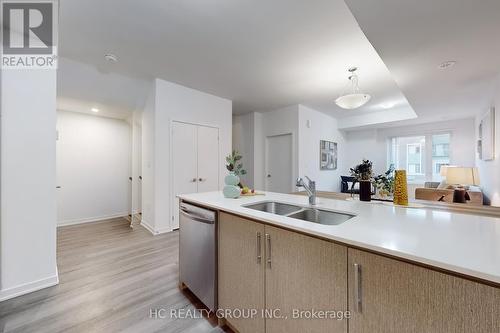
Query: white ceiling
(262, 55)
(265, 55)
(414, 37)
(81, 87)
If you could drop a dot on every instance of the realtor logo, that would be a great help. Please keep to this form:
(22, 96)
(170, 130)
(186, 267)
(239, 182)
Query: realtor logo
(29, 34)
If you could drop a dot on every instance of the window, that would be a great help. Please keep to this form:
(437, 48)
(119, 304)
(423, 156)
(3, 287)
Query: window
(414, 169)
(438, 166)
(414, 158)
(408, 153)
(421, 156)
(440, 154)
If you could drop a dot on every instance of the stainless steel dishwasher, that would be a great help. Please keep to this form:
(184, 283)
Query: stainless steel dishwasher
(197, 252)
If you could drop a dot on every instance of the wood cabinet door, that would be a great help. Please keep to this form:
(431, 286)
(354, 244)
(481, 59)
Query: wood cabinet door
(305, 274)
(395, 296)
(241, 273)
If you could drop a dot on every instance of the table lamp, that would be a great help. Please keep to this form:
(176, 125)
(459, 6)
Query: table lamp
(462, 176)
(443, 169)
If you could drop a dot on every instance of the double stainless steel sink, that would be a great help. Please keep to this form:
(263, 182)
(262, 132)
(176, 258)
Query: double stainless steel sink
(321, 216)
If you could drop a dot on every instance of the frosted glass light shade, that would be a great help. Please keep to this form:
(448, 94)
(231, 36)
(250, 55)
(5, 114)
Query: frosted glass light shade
(352, 101)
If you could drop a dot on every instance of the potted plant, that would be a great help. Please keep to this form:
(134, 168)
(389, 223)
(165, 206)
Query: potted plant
(363, 173)
(384, 183)
(235, 167)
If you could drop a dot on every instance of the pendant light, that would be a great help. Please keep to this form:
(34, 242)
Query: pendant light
(355, 98)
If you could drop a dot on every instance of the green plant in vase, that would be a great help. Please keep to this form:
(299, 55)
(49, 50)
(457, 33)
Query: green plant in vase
(384, 183)
(235, 167)
(363, 173)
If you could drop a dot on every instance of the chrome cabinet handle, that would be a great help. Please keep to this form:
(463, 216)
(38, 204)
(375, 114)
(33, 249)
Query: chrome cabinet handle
(357, 288)
(259, 254)
(268, 250)
(201, 179)
(193, 180)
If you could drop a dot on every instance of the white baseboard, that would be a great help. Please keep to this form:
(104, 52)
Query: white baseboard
(148, 227)
(27, 288)
(162, 231)
(91, 219)
(152, 230)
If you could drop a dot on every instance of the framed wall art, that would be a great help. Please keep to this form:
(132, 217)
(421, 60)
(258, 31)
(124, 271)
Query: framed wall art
(327, 155)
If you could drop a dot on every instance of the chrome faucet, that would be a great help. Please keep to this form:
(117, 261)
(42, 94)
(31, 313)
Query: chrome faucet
(310, 188)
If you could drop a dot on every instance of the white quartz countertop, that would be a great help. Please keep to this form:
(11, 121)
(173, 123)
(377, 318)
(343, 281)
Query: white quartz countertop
(465, 244)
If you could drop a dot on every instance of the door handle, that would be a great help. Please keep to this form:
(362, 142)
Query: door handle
(357, 288)
(259, 254)
(130, 178)
(268, 176)
(268, 250)
(201, 179)
(193, 180)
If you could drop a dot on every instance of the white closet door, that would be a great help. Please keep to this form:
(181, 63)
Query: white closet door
(208, 159)
(184, 164)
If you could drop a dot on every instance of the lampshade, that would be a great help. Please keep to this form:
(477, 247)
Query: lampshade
(462, 175)
(354, 98)
(352, 101)
(442, 171)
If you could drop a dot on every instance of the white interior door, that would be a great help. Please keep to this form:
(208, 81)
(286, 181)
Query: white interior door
(208, 159)
(279, 177)
(59, 178)
(139, 169)
(184, 164)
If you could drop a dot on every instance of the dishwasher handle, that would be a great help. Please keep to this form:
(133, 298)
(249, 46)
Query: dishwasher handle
(196, 218)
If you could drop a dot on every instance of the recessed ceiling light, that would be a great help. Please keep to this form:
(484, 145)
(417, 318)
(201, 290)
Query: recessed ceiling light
(94, 110)
(111, 57)
(447, 64)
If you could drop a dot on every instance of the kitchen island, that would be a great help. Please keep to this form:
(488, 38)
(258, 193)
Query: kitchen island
(393, 269)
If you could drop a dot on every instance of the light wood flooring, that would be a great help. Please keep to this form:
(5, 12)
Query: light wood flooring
(110, 276)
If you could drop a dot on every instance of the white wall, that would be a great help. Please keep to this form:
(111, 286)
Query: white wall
(322, 127)
(148, 161)
(489, 171)
(251, 130)
(365, 144)
(372, 143)
(136, 125)
(28, 172)
(278, 122)
(243, 142)
(93, 167)
(249, 140)
(173, 102)
(259, 159)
